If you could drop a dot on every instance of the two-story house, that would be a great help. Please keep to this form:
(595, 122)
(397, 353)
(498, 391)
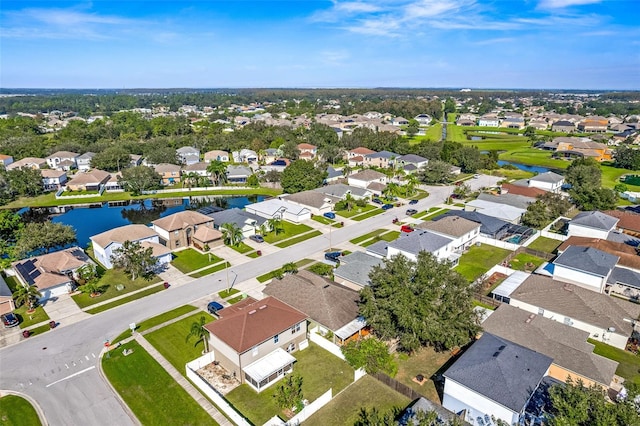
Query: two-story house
(253, 340)
(188, 155)
(464, 232)
(5, 160)
(106, 243)
(411, 244)
(170, 173)
(62, 160)
(52, 180)
(382, 159)
(27, 163)
(84, 161)
(187, 228)
(369, 179)
(216, 155)
(307, 151)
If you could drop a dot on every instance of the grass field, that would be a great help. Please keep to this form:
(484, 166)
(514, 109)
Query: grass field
(365, 393)
(149, 391)
(425, 361)
(356, 211)
(111, 279)
(547, 245)
(190, 260)
(436, 213)
(124, 300)
(479, 260)
(520, 262)
(26, 319)
(298, 239)
(367, 236)
(209, 271)
(367, 215)
(242, 248)
(629, 364)
(288, 230)
(432, 134)
(17, 411)
(226, 293)
(269, 275)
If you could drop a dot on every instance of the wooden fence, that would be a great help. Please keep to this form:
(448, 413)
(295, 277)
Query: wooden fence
(397, 386)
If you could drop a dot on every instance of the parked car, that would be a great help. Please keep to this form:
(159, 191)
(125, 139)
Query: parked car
(257, 238)
(329, 215)
(387, 206)
(411, 211)
(406, 228)
(333, 256)
(9, 320)
(377, 201)
(413, 202)
(214, 307)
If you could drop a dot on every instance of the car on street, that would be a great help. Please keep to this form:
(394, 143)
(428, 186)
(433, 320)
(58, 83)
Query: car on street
(387, 206)
(333, 256)
(377, 201)
(329, 215)
(257, 238)
(413, 202)
(406, 228)
(411, 212)
(9, 320)
(214, 307)
(476, 176)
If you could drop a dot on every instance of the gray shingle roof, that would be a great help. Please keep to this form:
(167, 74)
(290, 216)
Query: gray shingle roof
(340, 190)
(411, 158)
(367, 175)
(312, 198)
(355, 267)
(513, 200)
(489, 225)
(624, 276)
(383, 154)
(236, 216)
(587, 259)
(500, 370)
(418, 241)
(548, 177)
(454, 226)
(595, 220)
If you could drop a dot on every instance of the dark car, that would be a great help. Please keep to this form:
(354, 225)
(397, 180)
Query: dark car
(412, 202)
(333, 256)
(9, 320)
(214, 307)
(257, 238)
(329, 215)
(377, 201)
(411, 212)
(387, 206)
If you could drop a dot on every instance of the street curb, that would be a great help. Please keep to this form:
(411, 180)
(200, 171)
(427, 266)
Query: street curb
(32, 401)
(124, 405)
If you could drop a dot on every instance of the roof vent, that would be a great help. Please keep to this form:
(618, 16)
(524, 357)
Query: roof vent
(325, 286)
(495, 354)
(263, 307)
(501, 348)
(252, 312)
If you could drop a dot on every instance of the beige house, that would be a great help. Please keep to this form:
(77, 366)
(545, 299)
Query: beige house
(88, 181)
(253, 340)
(170, 173)
(187, 228)
(27, 163)
(216, 155)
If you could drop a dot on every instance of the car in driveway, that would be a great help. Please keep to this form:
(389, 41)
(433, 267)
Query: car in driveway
(406, 228)
(333, 256)
(413, 202)
(9, 320)
(329, 215)
(411, 212)
(377, 201)
(387, 206)
(257, 238)
(213, 307)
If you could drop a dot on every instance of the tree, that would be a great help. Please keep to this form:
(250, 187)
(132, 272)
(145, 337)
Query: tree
(462, 191)
(529, 132)
(38, 238)
(112, 159)
(190, 179)
(134, 259)
(627, 158)
(275, 225)
(301, 176)
(290, 268)
(93, 288)
(25, 182)
(419, 303)
(10, 224)
(27, 294)
(347, 203)
(373, 417)
(468, 158)
(218, 171)
(449, 106)
(434, 172)
(232, 234)
(594, 198)
(546, 208)
(253, 181)
(198, 331)
(140, 178)
(289, 392)
(371, 354)
(391, 190)
(584, 173)
(290, 150)
(413, 128)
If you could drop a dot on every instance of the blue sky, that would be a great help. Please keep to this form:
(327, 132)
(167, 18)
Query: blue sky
(581, 44)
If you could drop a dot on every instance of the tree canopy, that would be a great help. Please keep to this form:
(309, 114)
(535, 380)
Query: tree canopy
(585, 177)
(301, 175)
(419, 303)
(371, 354)
(140, 178)
(38, 238)
(134, 259)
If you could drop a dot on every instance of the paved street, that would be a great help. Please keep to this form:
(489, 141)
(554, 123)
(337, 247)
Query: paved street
(58, 368)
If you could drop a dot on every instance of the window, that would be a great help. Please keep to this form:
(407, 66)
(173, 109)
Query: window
(540, 311)
(295, 328)
(275, 338)
(176, 233)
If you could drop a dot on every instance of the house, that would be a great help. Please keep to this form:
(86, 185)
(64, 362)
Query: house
(279, 209)
(253, 340)
(135, 160)
(521, 188)
(5, 160)
(628, 222)
(422, 405)
(187, 228)
(245, 156)
(423, 119)
(583, 147)
(247, 222)
(6, 298)
(216, 155)
(199, 169)
(317, 202)
(106, 243)
(382, 159)
(513, 123)
(88, 181)
(594, 124)
(466, 119)
(411, 244)
(606, 319)
(369, 179)
(507, 207)
(584, 266)
(489, 120)
(494, 377)
(27, 163)
(52, 180)
(564, 126)
(307, 151)
(63, 160)
(354, 269)
(333, 175)
(169, 173)
(358, 152)
(411, 163)
(592, 224)
(114, 183)
(238, 174)
(332, 308)
(572, 355)
(399, 121)
(52, 273)
(188, 155)
(490, 227)
(548, 181)
(84, 161)
(464, 232)
(340, 190)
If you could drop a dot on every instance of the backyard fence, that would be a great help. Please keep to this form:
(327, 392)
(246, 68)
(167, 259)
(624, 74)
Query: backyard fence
(397, 386)
(325, 344)
(194, 189)
(498, 243)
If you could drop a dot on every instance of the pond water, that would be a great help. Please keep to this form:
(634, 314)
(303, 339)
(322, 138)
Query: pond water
(97, 218)
(525, 167)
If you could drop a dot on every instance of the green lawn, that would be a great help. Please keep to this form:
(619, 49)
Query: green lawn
(319, 370)
(211, 270)
(111, 279)
(365, 393)
(40, 330)
(424, 361)
(288, 230)
(611, 177)
(236, 299)
(226, 293)
(190, 260)
(298, 239)
(27, 320)
(437, 213)
(149, 391)
(367, 236)
(388, 236)
(242, 248)
(629, 364)
(12, 282)
(269, 275)
(170, 341)
(162, 318)
(75, 193)
(17, 411)
(367, 215)
(479, 260)
(356, 211)
(547, 245)
(124, 300)
(520, 262)
(322, 219)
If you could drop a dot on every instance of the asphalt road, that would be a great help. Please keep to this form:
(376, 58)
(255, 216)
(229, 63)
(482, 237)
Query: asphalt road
(58, 368)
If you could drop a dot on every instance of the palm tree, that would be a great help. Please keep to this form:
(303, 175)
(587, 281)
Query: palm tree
(275, 224)
(93, 287)
(264, 229)
(290, 268)
(27, 294)
(198, 331)
(190, 179)
(232, 234)
(392, 190)
(218, 171)
(346, 170)
(349, 202)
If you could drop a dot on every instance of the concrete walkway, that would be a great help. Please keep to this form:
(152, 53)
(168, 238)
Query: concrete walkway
(186, 385)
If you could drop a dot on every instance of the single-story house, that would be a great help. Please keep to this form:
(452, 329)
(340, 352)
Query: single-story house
(490, 227)
(498, 210)
(409, 245)
(369, 179)
(105, 243)
(27, 163)
(628, 222)
(411, 162)
(135, 160)
(409, 417)
(340, 190)
(280, 209)
(238, 174)
(423, 119)
(330, 306)
(52, 180)
(187, 228)
(521, 187)
(253, 340)
(586, 267)
(354, 269)
(592, 224)
(52, 273)
(188, 155)
(216, 155)
(91, 180)
(199, 168)
(317, 202)
(6, 298)
(245, 156)
(563, 126)
(247, 222)
(333, 175)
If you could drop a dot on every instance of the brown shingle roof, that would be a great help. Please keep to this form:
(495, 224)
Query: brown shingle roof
(311, 198)
(49, 269)
(362, 151)
(254, 322)
(523, 190)
(454, 226)
(323, 300)
(626, 253)
(206, 234)
(181, 220)
(628, 221)
(93, 177)
(368, 175)
(122, 234)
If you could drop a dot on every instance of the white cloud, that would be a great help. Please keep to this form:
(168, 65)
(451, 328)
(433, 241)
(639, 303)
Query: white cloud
(560, 4)
(494, 41)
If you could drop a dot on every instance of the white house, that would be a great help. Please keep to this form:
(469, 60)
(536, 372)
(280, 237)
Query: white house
(105, 243)
(409, 245)
(216, 155)
(247, 222)
(549, 181)
(53, 180)
(464, 232)
(188, 155)
(245, 156)
(584, 266)
(592, 224)
(279, 209)
(63, 160)
(489, 120)
(369, 179)
(317, 202)
(84, 161)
